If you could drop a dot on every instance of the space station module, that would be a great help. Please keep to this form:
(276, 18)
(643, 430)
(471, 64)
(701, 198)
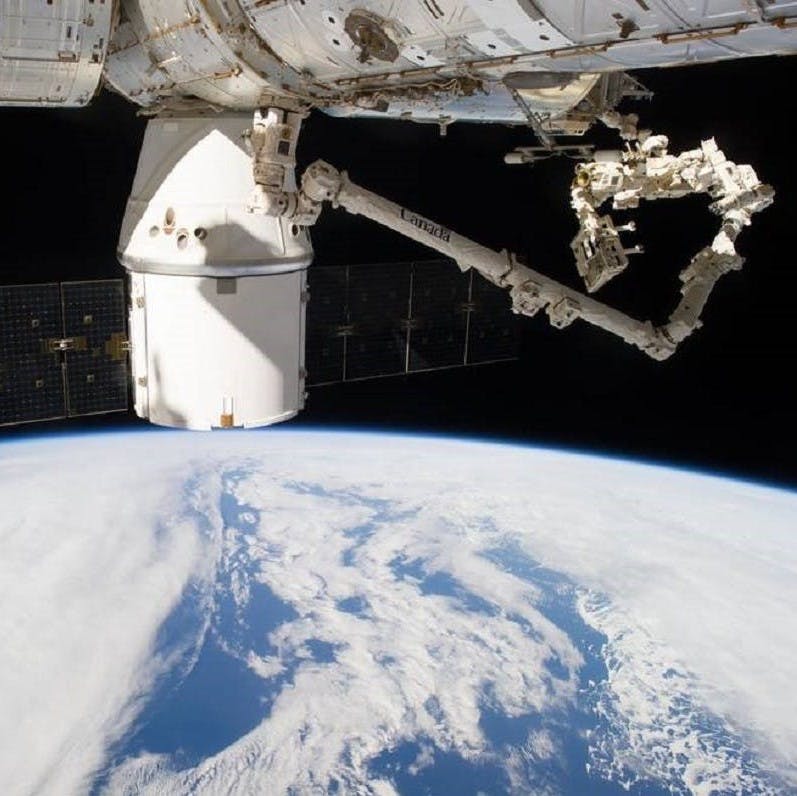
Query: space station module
(215, 237)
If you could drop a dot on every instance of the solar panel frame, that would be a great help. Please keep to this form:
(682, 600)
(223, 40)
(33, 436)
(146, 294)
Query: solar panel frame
(63, 350)
(446, 323)
(439, 316)
(326, 321)
(367, 321)
(96, 370)
(493, 329)
(378, 315)
(31, 376)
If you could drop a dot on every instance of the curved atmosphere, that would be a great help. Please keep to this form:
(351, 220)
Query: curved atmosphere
(311, 612)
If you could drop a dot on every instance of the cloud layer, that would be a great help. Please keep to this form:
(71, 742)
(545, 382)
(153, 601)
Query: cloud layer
(432, 574)
(97, 546)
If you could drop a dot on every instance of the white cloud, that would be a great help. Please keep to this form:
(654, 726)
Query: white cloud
(654, 724)
(96, 549)
(415, 667)
(697, 575)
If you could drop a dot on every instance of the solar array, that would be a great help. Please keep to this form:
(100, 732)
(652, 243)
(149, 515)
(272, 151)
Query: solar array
(63, 346)
(367, 321)
(63, 350)
(31, 377)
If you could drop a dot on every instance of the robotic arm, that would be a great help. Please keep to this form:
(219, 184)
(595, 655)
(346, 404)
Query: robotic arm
(645, 170)
(531, 291)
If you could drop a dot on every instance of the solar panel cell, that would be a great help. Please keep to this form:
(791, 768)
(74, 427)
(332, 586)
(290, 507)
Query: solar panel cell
(327, 314)
(62, 350)
(31, 379)
(367, 321)
(96, 364)
(378, 315)
(493, 332)
(439, 316)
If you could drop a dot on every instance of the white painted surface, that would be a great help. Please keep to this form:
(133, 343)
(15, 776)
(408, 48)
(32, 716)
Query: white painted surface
(217, 310)
(302, 50)
(52, 54)
(204, 349)
(195, 175)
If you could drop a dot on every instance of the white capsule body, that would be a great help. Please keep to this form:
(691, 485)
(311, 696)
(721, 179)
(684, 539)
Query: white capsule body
(217, 353)
(217, 293)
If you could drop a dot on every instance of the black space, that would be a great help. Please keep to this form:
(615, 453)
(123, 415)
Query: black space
(724, 401)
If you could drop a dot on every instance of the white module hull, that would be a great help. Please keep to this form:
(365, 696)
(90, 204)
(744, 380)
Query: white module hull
(217, 293)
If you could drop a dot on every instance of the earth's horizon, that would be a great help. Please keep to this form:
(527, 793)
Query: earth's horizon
(339, 611)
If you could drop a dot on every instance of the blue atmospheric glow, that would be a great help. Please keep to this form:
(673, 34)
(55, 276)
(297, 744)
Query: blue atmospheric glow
(47, 437)
(240, 645)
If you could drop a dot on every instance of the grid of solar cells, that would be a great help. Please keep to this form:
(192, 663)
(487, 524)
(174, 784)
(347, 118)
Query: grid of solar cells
(367, 321)
(493, 332)
(96, 366)
(378, 310)
(327, 315)
(439, 316)
(31, 379)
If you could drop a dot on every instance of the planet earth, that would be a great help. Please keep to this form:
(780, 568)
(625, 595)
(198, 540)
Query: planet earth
(305, 612)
